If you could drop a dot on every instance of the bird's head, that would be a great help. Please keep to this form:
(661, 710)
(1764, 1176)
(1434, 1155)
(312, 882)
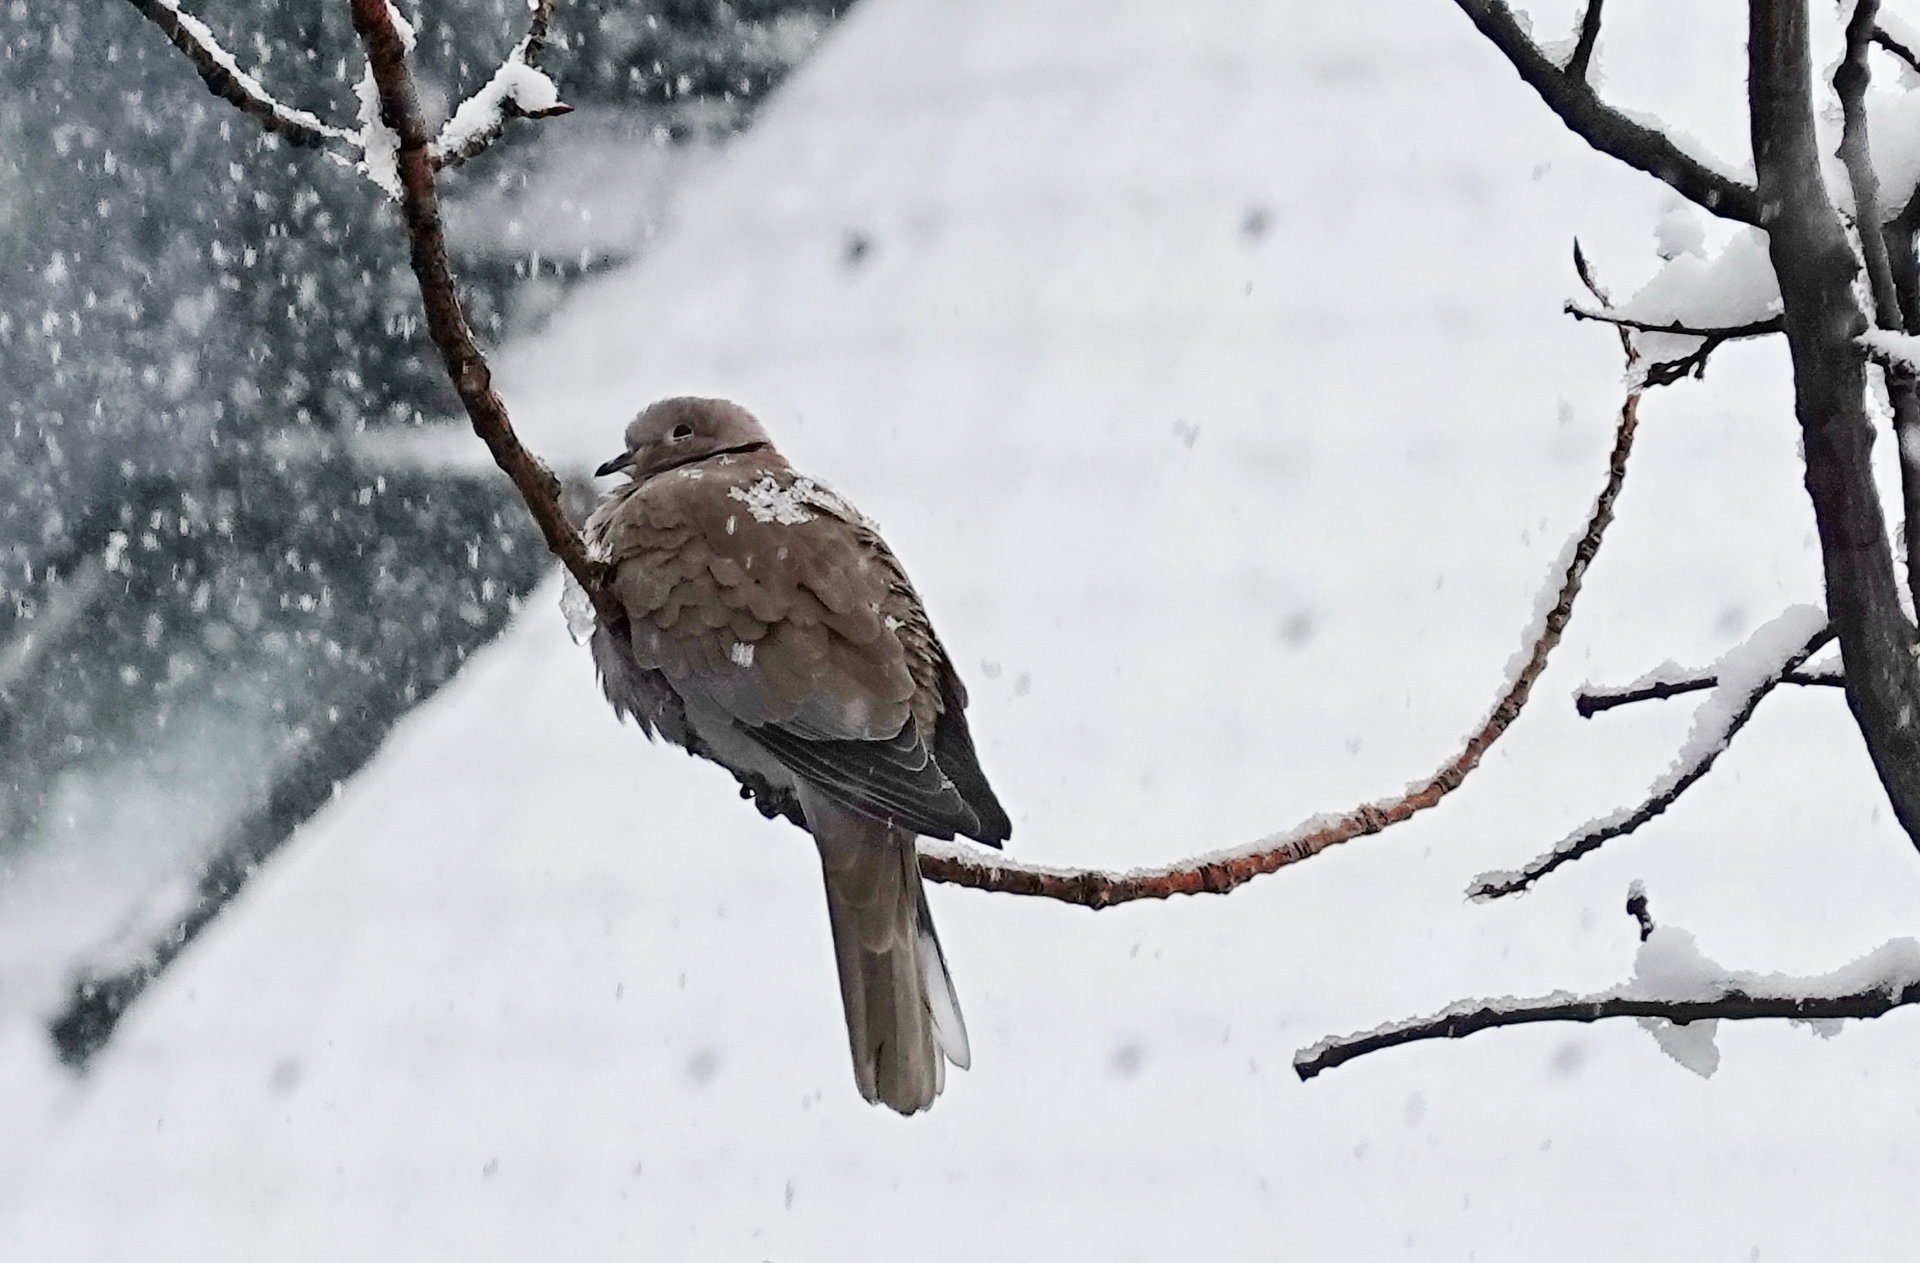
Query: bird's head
(676, 432)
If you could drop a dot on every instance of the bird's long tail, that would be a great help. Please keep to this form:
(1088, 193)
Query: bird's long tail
(903, 1021)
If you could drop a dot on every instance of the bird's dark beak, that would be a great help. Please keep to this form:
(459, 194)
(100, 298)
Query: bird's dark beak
(615, 465)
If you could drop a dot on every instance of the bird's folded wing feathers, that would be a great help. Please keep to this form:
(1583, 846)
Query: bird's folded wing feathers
(798, 622)
(896, 781)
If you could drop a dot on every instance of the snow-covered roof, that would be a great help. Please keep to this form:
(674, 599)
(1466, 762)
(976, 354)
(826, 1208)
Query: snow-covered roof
(1202, 363)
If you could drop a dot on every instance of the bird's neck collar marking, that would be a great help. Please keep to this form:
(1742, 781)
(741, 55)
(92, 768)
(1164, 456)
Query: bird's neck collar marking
(742, 450)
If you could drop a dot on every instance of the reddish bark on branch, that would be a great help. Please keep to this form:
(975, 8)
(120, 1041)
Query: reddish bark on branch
(1093, 888)
(446, 321)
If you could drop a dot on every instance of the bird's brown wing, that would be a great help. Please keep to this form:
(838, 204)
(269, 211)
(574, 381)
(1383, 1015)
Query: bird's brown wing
(764, 597)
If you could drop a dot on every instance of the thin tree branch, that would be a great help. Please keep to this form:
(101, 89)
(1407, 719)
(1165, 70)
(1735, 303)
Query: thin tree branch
(225, 79)
(1217, 874)
(1892, 44)
(1735, 1005)
(1605, 128)
(539, 15)
(1816, 266)
(1706, 745)
(1693, 364)
(1590, 702)
(1583, 47)
(1885, 979)
(446, 321)
(1718, 333)
(1585, 273)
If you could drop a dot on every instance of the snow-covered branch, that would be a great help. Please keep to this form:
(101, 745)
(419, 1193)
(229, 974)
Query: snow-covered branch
(1745, 676)
(1678, 995)
(1605, 128)
(379, 142)
(1223, 871)
(225, 79)
(1891, 350)
(517, 90)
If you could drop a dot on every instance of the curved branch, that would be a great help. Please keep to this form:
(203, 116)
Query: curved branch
(446, 321)
(1480, 1015)
(1694, 363)
(1711, 735)
(226, 80)
(1697, 990)
(1219, 873)
(1605, 128)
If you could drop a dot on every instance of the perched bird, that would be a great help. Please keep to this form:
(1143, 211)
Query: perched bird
(770, 629)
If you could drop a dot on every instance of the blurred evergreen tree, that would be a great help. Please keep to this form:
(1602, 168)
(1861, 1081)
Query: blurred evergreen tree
(201, 584)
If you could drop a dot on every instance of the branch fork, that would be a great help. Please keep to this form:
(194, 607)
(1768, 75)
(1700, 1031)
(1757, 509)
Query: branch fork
(518, 89)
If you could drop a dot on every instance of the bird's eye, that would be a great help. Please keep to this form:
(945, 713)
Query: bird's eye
(681, 431)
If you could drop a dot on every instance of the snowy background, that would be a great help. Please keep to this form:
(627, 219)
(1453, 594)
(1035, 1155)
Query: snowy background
(1204, 364)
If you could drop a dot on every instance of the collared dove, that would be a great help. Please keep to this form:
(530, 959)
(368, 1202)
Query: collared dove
(770, 629)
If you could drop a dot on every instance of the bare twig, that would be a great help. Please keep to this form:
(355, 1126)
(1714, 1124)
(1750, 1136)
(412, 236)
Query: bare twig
(226, 80)
(1694, 363)
(1605, 128)
(539, 16)
(1637, 909)
(1591, 702)
(1583, 47)
(1591, 837)
(1894, 45)
(1734, 1005)
(1218, 874)
(1718, 333)
(446, 321)
(1585, 272)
